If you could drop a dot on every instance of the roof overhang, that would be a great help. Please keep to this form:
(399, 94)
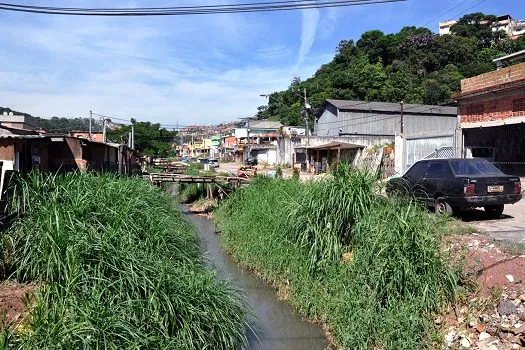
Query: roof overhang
(334, 145)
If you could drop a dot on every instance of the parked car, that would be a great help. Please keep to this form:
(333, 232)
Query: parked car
(213, 163)
(251, 161)
(450, 185)
(203, 160)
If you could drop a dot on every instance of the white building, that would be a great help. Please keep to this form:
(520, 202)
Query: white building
(444, 27)
(513, 28)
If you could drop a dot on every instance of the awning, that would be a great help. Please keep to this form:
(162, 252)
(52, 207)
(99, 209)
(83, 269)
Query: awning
(334, 145)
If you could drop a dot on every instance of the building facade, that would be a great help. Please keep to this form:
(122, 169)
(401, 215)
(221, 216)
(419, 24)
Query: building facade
(492, 117)
(417, 130)
(511, 27)
(14, 121)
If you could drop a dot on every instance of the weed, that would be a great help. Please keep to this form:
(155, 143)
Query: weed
(119, 267)
(382, 297)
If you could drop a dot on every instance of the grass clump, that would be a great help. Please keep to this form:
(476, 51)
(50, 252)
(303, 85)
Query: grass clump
(323, 218)
(119, 266)
(368, 267)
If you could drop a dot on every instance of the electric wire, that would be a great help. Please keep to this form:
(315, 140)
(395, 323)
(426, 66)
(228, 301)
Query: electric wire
(196, 10)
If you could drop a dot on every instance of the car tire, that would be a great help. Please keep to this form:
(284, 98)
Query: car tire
(441, 207)
(494, 211)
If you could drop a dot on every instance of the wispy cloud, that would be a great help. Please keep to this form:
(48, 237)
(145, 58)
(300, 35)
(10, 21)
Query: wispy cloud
(309, 31)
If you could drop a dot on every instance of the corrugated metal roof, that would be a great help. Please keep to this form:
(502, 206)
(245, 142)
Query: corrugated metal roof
(349, 105)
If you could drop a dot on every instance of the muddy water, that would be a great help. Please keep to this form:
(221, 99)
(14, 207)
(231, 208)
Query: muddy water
(274, 324)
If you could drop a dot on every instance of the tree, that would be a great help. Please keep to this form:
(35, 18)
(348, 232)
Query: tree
(479, 26)
(413, 65)
(150, 139)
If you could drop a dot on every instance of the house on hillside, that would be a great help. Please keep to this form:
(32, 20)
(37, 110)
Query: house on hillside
(492, 116)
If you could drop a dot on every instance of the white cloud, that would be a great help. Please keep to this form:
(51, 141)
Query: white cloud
(192, 70)
(309, 30)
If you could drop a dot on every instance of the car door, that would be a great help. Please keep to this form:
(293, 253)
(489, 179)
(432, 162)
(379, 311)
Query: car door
(437, 179)
(414, 179)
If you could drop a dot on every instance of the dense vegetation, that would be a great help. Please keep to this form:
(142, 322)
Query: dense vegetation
(413, 65)
(369, 268)
(150, 138)
(118, 266)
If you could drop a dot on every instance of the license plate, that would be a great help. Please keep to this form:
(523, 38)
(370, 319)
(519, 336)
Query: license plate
(492, 189)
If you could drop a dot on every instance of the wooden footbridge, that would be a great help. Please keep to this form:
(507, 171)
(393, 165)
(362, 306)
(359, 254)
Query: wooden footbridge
(233, 181)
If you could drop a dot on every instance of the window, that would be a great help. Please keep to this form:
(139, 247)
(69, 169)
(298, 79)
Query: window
(417, 170)
(473, 167)
(438, 169)
(518, 105)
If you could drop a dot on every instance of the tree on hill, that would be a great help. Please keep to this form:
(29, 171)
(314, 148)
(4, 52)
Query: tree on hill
(413, 65)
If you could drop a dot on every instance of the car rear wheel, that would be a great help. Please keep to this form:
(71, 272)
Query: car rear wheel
(494, 210)
(441, 207)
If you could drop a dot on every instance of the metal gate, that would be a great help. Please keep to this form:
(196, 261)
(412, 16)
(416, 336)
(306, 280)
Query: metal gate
(420, 148)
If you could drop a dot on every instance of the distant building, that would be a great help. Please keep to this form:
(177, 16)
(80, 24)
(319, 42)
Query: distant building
(95, 136)
(444, 27)
(14, 121)
(512, 28)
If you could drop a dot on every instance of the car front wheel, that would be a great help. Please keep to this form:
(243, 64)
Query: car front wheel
(441, 207)
(494, 210)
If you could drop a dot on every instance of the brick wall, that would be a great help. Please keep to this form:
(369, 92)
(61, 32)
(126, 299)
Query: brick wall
(492, 109)
(490, 79)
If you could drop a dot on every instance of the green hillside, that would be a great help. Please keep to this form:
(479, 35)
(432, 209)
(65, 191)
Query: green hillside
(413, 65)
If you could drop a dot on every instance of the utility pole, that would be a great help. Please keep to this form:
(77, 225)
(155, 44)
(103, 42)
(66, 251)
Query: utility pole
(129, 139)
(248, 130)
(103, 129)
(90, 117)
(132, 136)
(402, 121)
(192, 145)
(306, 107)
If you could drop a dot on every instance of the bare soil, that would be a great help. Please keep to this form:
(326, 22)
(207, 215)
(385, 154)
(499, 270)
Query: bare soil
(497, 277)
(12, 297)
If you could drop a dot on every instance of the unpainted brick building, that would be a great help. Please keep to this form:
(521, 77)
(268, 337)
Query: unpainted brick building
(492, 118)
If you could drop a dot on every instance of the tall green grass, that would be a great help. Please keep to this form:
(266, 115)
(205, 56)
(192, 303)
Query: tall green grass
(119, 268)
(322, 219)
(368, 267)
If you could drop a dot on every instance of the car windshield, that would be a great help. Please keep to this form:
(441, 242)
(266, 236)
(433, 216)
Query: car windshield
(474, 167)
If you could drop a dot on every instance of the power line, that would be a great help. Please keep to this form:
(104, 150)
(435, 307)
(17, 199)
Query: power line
(444, 13)
(470, 8)
(195, 10)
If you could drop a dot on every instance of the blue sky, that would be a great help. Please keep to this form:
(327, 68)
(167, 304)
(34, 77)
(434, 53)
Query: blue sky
(190, 70)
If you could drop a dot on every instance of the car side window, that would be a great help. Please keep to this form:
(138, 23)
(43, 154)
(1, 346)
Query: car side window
(438, 170)
(417, 170)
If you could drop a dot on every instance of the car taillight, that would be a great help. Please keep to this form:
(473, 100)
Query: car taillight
(517, 187)
(470, 188)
